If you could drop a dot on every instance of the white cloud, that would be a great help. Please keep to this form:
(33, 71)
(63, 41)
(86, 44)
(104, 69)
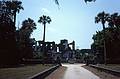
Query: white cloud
(45, 10)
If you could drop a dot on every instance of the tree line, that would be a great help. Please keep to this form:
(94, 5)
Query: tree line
(16, 45)
(107, 41)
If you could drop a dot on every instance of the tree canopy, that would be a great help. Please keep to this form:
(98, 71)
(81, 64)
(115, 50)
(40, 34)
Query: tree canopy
(112, 35)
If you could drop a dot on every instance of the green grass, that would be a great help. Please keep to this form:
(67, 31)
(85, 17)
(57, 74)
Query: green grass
(22, 72)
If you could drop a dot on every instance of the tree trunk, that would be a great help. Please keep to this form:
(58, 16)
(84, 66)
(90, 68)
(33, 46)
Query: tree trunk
(44, 33)
(44, 53)
(104, 43)
(14, 17)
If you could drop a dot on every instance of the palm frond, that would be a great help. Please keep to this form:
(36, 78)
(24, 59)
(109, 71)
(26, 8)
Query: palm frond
(89, 1)
(56, 2)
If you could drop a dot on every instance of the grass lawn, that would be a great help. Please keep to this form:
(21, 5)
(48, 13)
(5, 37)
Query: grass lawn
(22, 72)
(111, 66)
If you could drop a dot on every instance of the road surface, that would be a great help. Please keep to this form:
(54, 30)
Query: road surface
(72, 71)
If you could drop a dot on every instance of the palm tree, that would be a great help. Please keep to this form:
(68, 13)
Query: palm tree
(28, 26)
(44, 19)
(114, 20)
(24, 41)
(14, 6)
(102, 17)
(89, 1)
(8, 11)
(56, 2)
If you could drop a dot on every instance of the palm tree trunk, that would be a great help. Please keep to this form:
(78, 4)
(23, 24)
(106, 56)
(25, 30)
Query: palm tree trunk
(15, 57)
(14, 18)
(104, 43)
(44, 53)
(44, 33)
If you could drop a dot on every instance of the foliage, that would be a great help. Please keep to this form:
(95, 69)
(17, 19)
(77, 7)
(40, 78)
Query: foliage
(44, 19)
(10, 8)
(16, 44)
(56, 1)
(102, 17)
(112, 36)
(89, 1)
(24, 40)
(27, 27)
(8, 54)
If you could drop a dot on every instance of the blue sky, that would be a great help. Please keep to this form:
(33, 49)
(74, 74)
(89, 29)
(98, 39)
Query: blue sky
(72, 20)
